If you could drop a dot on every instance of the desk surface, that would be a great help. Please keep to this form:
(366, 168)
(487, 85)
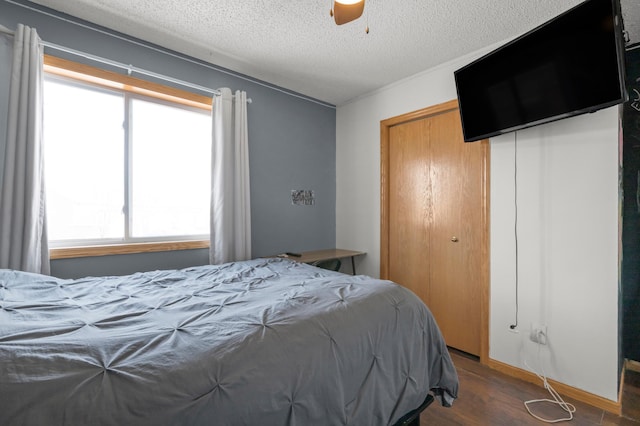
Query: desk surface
(316, 255)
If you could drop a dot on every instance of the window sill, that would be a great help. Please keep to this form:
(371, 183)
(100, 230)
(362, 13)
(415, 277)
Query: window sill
(107, 250)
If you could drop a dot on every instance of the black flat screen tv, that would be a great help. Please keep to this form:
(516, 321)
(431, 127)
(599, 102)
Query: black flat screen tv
(571, 65)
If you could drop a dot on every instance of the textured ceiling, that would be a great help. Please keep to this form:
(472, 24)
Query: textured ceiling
(295, 44)
(631, 17)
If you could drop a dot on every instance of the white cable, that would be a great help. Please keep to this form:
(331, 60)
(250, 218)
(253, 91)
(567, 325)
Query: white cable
(557, 399)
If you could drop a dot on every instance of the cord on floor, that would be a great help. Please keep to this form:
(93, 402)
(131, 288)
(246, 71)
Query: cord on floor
(557, 399)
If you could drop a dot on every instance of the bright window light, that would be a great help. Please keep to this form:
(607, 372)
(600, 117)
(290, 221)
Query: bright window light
(120, 167)
(84, 162)
(171, 176)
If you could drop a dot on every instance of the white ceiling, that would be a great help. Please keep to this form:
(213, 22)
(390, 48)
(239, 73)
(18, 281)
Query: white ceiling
(296, 45)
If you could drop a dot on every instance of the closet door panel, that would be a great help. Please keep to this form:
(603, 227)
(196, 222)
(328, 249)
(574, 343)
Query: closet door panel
(409, 202)
(456, 233)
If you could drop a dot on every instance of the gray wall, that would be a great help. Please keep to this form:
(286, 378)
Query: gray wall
(291, 144)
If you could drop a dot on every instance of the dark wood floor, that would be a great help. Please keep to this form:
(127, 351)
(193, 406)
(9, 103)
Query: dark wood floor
(488, 397)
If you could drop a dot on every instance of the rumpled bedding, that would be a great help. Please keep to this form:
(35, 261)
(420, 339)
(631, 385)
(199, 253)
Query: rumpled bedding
(261, 342)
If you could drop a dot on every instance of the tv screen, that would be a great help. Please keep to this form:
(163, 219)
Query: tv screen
(570, 65)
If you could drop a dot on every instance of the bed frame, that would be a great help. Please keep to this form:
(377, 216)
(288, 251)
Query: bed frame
(412, 418)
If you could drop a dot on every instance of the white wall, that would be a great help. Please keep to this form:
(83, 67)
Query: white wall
(568, 227)
(567, 246)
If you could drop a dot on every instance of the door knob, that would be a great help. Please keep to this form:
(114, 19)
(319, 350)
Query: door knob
(454, 239)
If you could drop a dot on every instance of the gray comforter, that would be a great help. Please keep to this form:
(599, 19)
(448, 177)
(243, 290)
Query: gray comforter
(262, 342)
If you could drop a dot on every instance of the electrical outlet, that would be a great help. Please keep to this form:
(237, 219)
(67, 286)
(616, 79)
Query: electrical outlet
(538, 334)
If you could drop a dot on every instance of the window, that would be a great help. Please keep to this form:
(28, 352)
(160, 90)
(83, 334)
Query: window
(126, 161)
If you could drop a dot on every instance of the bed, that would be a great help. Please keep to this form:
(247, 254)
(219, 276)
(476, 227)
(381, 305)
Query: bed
(261, 342)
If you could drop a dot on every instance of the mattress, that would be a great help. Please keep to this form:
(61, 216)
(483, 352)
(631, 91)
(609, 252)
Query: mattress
(261, 342)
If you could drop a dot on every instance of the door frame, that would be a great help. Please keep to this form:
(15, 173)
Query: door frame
(385, 126)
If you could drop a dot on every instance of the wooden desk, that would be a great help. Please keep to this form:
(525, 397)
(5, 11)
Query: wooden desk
(327, 254)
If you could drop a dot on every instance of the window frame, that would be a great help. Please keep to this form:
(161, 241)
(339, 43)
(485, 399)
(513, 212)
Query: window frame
(141, 89)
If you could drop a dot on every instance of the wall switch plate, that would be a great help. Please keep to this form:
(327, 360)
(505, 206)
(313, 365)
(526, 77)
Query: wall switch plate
(538, 333)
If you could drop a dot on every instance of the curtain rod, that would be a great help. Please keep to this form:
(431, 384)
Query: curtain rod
(129, 68)
(6, 31)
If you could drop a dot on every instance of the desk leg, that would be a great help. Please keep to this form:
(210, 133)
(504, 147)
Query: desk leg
(353, 265)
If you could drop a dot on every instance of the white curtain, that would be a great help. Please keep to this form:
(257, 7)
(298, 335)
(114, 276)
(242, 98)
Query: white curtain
(23, 236)
(230, 200)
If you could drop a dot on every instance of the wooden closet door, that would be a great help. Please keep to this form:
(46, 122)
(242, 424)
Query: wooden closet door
(434, 227)
(456, 233)
(410, 197)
